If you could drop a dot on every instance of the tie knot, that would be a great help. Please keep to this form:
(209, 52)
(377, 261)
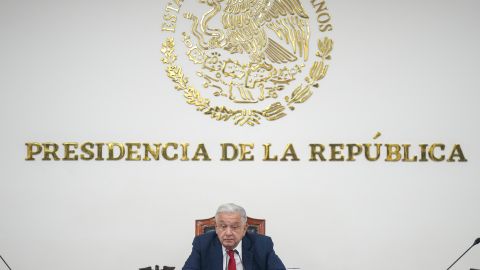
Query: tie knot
(230, 252)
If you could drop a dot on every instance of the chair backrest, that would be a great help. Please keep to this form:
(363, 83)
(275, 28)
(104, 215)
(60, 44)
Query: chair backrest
(255, 225)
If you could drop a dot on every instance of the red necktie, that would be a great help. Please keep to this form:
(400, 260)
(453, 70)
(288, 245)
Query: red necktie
(232, 265)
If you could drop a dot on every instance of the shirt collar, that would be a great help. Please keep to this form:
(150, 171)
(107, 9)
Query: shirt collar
(238, 249)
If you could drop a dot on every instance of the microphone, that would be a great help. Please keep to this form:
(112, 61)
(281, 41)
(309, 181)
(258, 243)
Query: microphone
(241, 261)
(474, 243)
(5, 262)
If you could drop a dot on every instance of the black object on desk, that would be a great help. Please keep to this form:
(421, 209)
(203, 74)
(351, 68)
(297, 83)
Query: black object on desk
(158, 268)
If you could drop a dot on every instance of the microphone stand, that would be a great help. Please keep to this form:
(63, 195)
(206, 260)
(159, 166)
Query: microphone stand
(5, 262)
(474, 243)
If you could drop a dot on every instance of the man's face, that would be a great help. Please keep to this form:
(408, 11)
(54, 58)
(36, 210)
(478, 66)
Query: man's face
(230, 229)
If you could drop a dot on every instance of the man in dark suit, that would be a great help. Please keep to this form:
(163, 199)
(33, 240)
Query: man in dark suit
(231, 247)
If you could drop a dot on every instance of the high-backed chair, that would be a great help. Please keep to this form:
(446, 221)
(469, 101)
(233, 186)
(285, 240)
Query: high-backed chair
(255, 225)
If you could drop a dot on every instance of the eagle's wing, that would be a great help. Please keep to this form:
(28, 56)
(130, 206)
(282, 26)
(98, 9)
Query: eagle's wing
(244, 33)
(240, 13)
(288, 19)
(245, 20)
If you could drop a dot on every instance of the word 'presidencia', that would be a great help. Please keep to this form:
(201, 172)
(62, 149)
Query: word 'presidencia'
(313, 152)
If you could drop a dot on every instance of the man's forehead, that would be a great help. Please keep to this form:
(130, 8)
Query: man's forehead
(229, 217)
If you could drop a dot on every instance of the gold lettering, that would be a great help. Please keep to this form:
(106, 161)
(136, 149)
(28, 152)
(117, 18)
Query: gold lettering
(170, 7)
(31, 152)
(201, 151)
(336, 154)
(168, 27)
(423, 153)
(87, 154)
(170, 22)
(266, 152)
(100, 151)
(323, 18)
(111, 151)
(393, 152)
(184, 152)
(367, 146)
(165, 151)
(326, 27)
(406, 154)
(50, 149)
(245, 153)
(317, 150)
(458, 153)
(353, 150)
(225, 147)
(320, 6)
(154, 152)
(132, 151)
(289, 152)
(68, 151)
(431, 152)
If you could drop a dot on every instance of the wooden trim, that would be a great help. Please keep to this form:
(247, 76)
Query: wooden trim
(201, 224)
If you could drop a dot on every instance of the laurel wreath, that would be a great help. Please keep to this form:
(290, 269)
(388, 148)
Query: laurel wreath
(243, 117)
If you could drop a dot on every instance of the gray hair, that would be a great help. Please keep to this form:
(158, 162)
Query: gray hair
(232, 208)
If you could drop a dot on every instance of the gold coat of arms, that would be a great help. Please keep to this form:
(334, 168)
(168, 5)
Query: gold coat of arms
(252, 57)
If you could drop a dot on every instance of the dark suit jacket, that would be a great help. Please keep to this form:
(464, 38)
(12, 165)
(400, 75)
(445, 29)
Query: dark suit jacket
(257, 253)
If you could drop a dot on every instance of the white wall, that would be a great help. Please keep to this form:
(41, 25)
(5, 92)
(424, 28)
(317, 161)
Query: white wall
(90, 71)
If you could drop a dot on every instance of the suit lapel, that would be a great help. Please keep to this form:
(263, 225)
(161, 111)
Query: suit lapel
(217, 256)
(247, 254)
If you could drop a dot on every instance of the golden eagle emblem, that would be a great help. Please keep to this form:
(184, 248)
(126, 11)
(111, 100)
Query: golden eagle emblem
(246, 53)
(246, 27)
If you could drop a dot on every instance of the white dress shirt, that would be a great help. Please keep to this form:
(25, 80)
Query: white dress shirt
(237, 255)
